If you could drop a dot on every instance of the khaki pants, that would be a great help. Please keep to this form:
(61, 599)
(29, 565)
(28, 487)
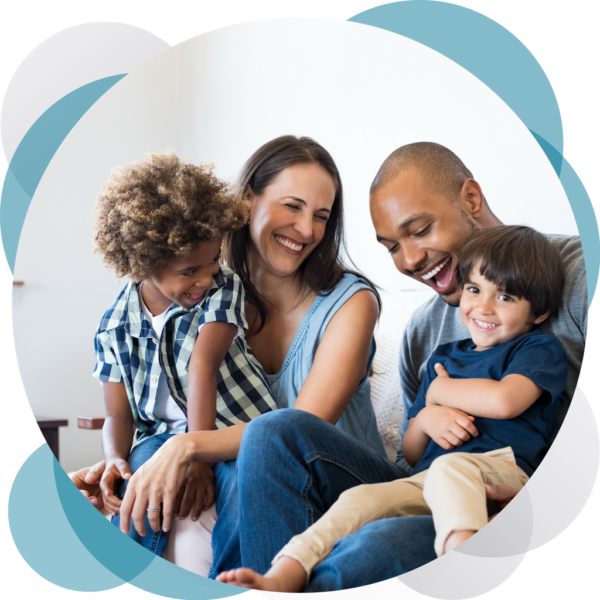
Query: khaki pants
(452, 490)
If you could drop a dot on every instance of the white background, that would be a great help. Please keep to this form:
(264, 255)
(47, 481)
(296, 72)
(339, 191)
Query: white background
(216, 98)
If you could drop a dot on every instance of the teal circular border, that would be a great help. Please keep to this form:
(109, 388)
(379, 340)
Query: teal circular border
(106, 559)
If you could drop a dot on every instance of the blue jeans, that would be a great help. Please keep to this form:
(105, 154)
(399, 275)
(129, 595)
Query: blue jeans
(155, 541)
(292, 467)
(225, 544)
(376, 552)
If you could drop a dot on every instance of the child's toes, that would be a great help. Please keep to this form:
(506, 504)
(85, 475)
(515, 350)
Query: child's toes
(225, 576)
(247, 576)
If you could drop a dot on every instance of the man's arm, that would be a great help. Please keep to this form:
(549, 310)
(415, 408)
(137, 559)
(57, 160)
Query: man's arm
(504, 399)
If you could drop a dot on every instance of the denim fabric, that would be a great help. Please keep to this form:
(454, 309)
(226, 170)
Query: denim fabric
(226, 549)
(376, 552)
(292, 467)
(154, 541)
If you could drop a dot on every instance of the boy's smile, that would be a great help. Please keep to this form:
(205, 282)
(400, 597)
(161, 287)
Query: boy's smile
(185, 281)
(491, 315)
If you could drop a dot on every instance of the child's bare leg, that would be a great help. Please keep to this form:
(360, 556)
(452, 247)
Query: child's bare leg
(286, 575)
(456, 538)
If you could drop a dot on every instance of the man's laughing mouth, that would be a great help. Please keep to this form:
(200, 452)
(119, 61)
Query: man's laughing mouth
(440, 277)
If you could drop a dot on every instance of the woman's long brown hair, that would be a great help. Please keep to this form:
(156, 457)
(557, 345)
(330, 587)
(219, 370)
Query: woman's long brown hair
(324, 268)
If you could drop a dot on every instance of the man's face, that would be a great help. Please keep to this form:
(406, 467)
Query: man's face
(423, 231)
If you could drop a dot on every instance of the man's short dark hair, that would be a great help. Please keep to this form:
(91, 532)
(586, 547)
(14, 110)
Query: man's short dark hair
(521, 262)
(441, 169)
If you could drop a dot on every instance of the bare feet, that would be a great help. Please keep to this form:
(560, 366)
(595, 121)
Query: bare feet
(286, 575)
(456, 538)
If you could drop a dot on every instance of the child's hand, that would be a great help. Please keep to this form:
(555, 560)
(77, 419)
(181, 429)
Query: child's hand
(87, 481)
(441, 371)
(436, 386)
(499, 496)
(447, 427)
(197, 492)
(116, 469)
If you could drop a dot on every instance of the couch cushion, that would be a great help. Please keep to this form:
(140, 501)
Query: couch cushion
(386, 394)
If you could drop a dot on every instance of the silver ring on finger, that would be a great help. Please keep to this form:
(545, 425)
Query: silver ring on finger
(153, 509)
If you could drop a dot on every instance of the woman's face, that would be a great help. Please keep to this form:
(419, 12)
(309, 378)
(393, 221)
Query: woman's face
(287, 221)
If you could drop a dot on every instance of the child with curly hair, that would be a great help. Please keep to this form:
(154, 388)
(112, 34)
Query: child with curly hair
(171, 352)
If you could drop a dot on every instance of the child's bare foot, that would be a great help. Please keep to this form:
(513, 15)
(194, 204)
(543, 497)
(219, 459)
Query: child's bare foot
(456, 538)
(286, 575)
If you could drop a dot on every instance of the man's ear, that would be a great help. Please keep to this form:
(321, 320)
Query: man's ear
(472, 198)
(542, 318)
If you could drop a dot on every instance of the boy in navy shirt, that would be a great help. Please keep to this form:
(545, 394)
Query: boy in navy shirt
(485, 413)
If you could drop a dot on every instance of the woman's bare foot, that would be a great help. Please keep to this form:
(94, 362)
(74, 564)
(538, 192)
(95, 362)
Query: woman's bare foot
(456, 538)
(286, 575)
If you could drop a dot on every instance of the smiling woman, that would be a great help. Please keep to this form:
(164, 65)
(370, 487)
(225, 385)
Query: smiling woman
(311, 323)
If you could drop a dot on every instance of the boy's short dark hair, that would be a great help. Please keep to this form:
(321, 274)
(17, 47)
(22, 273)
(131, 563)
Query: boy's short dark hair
(155, 211)
(520, 261)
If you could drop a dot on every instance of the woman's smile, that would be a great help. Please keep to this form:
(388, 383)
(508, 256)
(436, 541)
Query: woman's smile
(289, 245)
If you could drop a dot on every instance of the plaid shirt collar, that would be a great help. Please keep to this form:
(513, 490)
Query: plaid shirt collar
(131, 316)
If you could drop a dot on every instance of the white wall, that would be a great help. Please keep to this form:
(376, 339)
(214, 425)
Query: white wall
(67, 289)
(359, 91)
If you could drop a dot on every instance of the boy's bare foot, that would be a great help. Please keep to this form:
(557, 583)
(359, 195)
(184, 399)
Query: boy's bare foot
(456, 538)
(286, 575)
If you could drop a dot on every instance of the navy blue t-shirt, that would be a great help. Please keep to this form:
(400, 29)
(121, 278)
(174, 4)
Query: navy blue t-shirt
(535, 355)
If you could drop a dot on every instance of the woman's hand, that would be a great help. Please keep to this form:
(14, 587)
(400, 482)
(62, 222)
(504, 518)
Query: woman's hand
(156, 483)
(447, 427)
(87, 481)
(197, 492)
(116, 469)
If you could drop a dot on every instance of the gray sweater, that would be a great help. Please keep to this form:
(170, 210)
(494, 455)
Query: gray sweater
(435, 323)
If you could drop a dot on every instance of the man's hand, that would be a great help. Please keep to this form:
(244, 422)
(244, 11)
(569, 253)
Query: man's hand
(447, 427)
(116, 469)
(87, 481)
(436, 388)
(498, 496)
(197, 493)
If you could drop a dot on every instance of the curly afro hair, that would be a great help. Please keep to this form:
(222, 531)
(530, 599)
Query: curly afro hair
(154, 211)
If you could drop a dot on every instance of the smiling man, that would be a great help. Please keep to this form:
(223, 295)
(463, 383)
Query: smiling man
(425, 206)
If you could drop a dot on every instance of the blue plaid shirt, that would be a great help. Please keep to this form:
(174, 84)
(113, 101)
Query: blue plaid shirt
(128, 352)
